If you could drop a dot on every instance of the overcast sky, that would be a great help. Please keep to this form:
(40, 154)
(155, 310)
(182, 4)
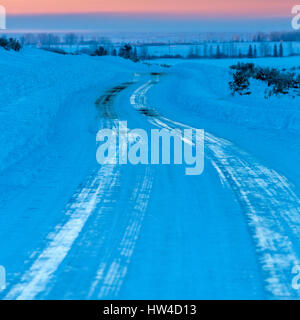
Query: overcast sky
(149, 15)
(208, 7)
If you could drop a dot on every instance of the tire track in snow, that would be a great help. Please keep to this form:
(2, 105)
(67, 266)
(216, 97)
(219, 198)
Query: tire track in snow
(95, 193)
(105, 102)
(81, 206)
(35, 280)
(272, 209)
(111, 272)
(267, 198)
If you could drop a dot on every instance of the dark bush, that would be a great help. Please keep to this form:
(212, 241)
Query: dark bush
(11, 44)
(240, 84)
(101, 51)
(279, 82)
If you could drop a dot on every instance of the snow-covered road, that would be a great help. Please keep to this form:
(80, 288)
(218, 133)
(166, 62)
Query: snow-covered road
(150, 231)
(270, 205)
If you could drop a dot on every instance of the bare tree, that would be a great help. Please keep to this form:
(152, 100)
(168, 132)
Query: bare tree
(70, 39)
(106, 44)
(144, 53)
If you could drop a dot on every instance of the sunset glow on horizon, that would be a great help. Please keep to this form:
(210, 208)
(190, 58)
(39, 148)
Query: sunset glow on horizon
(253, 8)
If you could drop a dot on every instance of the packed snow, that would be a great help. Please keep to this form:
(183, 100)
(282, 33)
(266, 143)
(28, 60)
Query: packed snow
(72, 229)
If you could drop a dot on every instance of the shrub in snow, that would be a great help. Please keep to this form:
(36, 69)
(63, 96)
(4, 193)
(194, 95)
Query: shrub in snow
(246, 68)
(127, 52)
(279, 82)
(240, 84)
(101, 51)
(10, 44)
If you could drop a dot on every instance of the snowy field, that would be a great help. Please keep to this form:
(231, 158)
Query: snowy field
(72, 229)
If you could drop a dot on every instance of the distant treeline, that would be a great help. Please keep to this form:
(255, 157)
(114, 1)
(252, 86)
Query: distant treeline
(275, 50)
(231, 50)
(275, 44)
(277, 36)
(128, 51)
(48, 39)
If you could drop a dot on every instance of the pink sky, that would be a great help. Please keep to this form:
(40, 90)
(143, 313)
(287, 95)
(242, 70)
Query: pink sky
(269, 8)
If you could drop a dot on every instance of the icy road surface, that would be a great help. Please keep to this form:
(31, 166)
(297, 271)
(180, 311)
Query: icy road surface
(150, 231)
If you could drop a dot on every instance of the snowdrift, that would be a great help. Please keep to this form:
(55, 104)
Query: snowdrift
(202, 87)
(35, 87)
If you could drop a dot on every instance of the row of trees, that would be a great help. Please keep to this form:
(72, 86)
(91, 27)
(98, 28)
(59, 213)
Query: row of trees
(231, 51)
(285, 36)
(129, 52)
(72, 38)
(277, 51)
(53, 39)
(103, 46)
(126, 52)
(72, 42)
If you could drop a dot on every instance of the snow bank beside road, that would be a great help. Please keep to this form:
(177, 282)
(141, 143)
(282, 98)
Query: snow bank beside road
(35, 85)
(202, 86)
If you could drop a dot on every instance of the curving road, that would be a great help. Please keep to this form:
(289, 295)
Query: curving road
(150, 231)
